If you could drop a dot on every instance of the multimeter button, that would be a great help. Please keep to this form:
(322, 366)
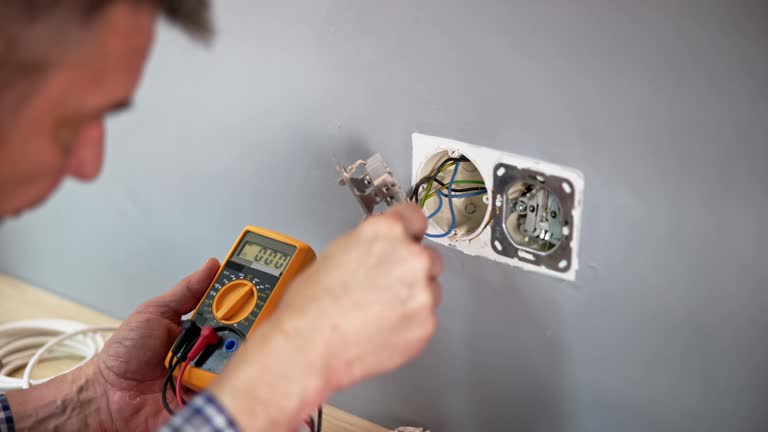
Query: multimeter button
(234, 301)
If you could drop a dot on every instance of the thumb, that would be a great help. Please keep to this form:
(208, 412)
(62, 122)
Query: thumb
(182, 298)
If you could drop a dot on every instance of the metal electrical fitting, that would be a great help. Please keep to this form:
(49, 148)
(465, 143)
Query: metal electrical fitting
(372, 183)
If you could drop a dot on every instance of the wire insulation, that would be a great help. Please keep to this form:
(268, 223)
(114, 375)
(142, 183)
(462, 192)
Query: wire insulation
(21, 340)
(439, 207)
(179, 385)
(450, 205)
(25, 343)
(319, 419)
(463, 195)
(431, 193)
(168, 382)
(433, 177)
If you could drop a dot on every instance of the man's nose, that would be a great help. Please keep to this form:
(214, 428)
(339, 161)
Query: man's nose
(88, 152)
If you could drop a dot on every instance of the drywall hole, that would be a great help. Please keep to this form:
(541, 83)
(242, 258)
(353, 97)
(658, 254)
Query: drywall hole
(467, 196)
(567, 188)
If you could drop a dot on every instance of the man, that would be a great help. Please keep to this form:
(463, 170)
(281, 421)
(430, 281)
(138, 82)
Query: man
(66, 64)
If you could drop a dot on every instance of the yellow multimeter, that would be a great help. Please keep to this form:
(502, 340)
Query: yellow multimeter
(245, 291)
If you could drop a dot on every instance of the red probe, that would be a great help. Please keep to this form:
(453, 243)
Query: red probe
(208, 337)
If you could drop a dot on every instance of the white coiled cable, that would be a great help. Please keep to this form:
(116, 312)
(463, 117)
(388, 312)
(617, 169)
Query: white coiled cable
(25, 343)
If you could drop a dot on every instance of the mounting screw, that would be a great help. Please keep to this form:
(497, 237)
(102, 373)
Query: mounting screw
(521, 206)
(454, 153)
(486, 199)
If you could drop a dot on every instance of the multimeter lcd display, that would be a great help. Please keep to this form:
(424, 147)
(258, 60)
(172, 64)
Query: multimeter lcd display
(265, 256)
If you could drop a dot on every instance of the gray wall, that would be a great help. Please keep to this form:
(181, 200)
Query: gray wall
(662, 104)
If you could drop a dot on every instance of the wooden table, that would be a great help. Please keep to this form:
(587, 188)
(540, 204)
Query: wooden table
(19, 301)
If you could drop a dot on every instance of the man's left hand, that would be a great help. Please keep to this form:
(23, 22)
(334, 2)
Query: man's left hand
(131, 366)
(120, 388)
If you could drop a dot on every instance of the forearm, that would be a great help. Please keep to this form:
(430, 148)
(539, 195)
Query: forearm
(69, 402)
(280, 385)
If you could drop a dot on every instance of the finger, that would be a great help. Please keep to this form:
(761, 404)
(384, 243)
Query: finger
(435, 262)
(437, 293)
(182, 298)
(412, 218)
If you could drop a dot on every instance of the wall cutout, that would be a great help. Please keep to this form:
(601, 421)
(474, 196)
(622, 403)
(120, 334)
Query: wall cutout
(509, 208)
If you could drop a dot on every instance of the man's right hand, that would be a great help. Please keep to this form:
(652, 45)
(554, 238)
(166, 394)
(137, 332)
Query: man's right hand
(372, 294)
(365, 307)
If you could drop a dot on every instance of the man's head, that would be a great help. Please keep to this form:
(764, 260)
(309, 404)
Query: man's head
(65, 65)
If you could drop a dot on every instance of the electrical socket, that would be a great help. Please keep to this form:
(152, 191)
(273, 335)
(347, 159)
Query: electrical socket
(530, 216)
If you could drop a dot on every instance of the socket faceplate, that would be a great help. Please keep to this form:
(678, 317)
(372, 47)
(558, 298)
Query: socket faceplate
(552, 244)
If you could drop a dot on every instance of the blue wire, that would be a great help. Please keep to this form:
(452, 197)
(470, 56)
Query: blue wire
(442, 194)
(450, 205)
(439, 207)
(464, 195)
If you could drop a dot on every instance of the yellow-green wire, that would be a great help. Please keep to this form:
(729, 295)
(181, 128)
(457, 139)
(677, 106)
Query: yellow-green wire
(428, 193)
(431, 182)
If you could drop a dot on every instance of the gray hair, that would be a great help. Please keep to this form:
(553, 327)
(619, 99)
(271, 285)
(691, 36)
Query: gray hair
(24, 24)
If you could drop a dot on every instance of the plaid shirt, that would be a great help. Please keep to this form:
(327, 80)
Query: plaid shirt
(6, 420)
(203, 413)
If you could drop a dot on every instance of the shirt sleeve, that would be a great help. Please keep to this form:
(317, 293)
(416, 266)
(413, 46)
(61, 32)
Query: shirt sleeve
(6, 419)
(203, 413)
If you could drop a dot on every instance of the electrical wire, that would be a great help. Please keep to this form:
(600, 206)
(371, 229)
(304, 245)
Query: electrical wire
(179, 388)
(443, 167)
(429, 185)
(450, 205)
(190, 343)
(169, 382)
(23, 344)
(452, 193)
(464, 195)
(53, 342)
(440, 194)
(319, 419)
(431, 193)
(439, 207)
(433, 177)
